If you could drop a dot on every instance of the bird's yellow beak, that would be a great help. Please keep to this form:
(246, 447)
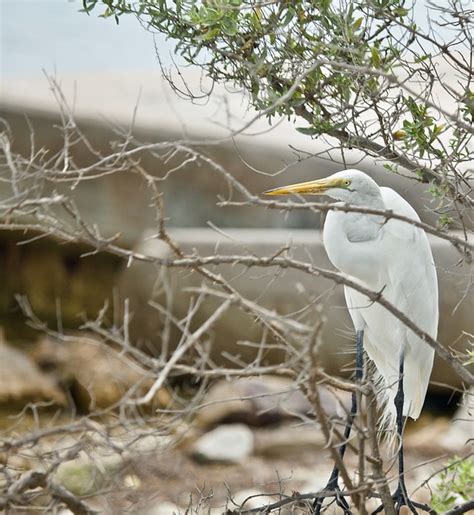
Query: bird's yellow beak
(309, 188)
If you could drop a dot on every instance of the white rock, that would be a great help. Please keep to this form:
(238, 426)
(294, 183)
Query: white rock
(132, 481)
(252, 499)
(146, 444)
(86, 474)
(461, 432)
(227, 444)
(289, 440)
(164, 508)
(21, 381)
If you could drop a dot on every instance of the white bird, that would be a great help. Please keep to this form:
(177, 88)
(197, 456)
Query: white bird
(394, 257)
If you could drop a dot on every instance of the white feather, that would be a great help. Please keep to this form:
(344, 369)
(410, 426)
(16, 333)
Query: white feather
(394, 256)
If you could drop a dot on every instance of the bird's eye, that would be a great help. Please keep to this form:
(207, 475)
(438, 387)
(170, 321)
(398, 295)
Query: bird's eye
(347, 182)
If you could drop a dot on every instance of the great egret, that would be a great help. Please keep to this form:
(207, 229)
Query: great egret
(390, 256)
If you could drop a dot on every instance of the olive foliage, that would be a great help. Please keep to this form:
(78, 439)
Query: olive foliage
(362, 74)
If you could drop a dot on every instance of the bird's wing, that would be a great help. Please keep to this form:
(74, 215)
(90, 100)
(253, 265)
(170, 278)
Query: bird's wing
(396, 203)
(410, 264)
(413, 289)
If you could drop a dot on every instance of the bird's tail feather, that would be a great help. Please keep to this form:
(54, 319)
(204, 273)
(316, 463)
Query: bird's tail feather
(387, 422)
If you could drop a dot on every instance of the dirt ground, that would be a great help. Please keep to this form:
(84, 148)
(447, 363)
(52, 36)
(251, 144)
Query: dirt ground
(162, 484)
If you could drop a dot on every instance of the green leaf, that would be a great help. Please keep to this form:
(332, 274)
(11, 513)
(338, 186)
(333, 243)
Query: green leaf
(422, 58)
(290, 14)
(308, 131)
(208, 35)
(229, 26)
(375, 57)
(401, 12)
(356, 25)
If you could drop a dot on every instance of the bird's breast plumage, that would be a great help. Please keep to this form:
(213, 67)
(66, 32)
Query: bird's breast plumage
(351, 241)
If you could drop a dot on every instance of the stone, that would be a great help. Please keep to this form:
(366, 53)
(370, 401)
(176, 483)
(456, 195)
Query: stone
(262, 400)
(461, 431)
(164, 508)
(249, 499)
(132, 481)
(95, 469)
(21, 381)
(427, 438)
(288, 440)
(147, 444)
(225, 444)
(318, 477)
(452, 435)
(97, 375)
(87, 475)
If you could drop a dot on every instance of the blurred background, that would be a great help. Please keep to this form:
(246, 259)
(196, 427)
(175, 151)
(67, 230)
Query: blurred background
(110, 77)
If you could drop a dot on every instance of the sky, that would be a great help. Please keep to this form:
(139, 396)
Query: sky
(53, 34)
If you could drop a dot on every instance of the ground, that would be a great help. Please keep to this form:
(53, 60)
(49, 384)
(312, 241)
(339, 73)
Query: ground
(160, 484)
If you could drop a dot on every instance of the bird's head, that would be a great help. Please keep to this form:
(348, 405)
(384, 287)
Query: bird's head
(350, 186)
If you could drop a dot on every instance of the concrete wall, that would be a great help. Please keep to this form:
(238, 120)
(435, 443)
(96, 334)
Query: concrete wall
(119, 203)
(285, 291)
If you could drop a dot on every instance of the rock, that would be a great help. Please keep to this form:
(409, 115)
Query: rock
(80, 478)
(287, 440)
(423, 494)
(97, 375)
(225, 444)
(372, 504)
(94, 470)
(259, 401)
(87, 475)
(318, 477)
(461, 431)
(249, 499)
(164, 508)
(132, 481)
(147, 444)
(21, 381)
(453, 435)
(428, 437)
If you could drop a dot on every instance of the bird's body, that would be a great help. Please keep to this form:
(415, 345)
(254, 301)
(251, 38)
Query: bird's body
(389, 256)
(392, 257)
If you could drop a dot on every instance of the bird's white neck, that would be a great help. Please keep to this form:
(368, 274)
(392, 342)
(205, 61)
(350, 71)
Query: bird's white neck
(373, 200)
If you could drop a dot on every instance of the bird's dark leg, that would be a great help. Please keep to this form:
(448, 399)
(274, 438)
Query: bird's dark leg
(400, 497)
(332, 484)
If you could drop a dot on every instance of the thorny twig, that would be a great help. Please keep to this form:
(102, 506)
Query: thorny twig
(36, 208)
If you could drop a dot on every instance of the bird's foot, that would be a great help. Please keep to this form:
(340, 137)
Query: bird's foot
(332, 487)
(400, 498)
